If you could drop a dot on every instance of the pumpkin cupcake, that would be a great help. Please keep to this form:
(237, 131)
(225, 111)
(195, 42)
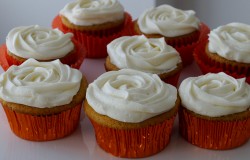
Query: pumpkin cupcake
(42, 100)
(214, 112)
(42, 44)
(227, 49)
(132, 112)
(94, 23)
(151, 55)
(181, 29)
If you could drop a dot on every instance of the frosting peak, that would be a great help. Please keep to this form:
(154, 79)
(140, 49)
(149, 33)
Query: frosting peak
(38, 42)
(151, 55)
(231, 41)
(215, 95)
(130, 96)
(40, 84)
(92, 12)
(168, 21)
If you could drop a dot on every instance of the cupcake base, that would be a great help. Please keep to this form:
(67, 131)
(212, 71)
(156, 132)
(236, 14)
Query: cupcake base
(132, 140)
(95, 43)
(74, 60)
(207, 64)
(171, 77)
(185, 45)
(43, 128)
(214, 133)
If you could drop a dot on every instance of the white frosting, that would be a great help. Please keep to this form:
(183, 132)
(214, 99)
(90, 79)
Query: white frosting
(39, 42)
(215, 95)
(231, 41)
(168, 21)
(130, 96)
(92, 12)
(40, 84)
(140, 53)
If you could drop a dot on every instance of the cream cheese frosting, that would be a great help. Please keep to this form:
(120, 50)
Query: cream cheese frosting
(130, 96)
(151, 55)
(93, 12)
(38, 42)
(40, 84)
(231, 41)
(215, 95)
(168, 21)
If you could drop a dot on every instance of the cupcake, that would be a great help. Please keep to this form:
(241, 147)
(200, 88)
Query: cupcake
(151, 55)
(181, 29)
(227, 50)
(215, 111)
(42, 100)
(132, 112)
(94, 23)
(42, 44)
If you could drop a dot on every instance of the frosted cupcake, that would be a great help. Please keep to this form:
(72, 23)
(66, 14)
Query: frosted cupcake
(181, 29)
(94, 23)
(132, 112)
(227, 50)
(42, 44)
(151, 55)
(42, 100)
(214, 113)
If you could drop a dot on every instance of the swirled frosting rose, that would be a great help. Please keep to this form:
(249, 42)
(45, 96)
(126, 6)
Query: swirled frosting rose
(231, 41)
(140, 53)
(40, 84)
(215, 95)
(168, 21)
(38, 42)
(130, 96)
(92, 12)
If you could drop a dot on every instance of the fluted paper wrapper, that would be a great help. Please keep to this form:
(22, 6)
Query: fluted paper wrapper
(213, 134)
(95, 43)
(208, 65)
(74, 60)
(43, 128)
(134, 143)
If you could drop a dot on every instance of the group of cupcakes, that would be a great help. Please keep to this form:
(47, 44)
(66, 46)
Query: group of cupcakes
(132, 106)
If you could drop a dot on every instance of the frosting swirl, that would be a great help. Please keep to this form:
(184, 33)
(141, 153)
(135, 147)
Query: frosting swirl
(40, 84)
(130, 96)
(92, 12)
(231, 41)
(39, 42)
(168, 21)
(151, 55)
(215, 95)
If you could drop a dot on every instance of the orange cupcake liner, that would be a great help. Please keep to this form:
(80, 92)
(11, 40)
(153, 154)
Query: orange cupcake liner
(95, 42)
(213, 134)
(134, 143)
(75, 60)
(173, 80)
(3, 60)
(207, 65)
(43, 128)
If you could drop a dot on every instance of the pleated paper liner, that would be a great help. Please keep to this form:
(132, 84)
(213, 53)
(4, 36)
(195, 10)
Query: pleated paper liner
(134, 143)
(95, 42)
(208, 65)
(213, 133)
(74, 59)
(186, 45)
(44, 127)
(3, 61)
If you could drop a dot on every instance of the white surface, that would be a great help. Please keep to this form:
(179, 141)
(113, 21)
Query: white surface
(81, 145)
